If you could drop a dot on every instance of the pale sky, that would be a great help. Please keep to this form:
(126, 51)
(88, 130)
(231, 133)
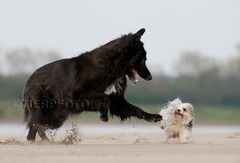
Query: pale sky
(74, 26)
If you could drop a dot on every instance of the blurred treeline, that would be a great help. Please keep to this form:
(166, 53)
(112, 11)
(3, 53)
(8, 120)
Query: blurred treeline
(197, 78)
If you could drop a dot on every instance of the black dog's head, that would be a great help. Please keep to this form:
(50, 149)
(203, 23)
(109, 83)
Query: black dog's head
(137, 58)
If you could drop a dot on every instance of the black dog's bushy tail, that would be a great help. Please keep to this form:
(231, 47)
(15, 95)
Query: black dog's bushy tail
(26, 111)
(26, 106)
(26, 114)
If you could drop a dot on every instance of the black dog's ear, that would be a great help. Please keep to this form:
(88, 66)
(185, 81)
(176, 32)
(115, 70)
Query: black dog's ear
(139, 34)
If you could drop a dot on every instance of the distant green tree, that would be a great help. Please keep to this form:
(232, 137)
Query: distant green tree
(193, 64)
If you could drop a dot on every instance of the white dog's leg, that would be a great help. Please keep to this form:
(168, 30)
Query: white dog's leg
(167, 138)
(183, 140)
(162, 125)
(183, 136)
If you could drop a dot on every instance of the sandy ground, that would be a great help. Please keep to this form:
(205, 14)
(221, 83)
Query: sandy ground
(210, 147)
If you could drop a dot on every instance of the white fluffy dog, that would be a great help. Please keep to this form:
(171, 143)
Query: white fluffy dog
(177, 120)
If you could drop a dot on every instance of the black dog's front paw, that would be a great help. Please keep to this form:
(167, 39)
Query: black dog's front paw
(152, 117)
(157, 118)
(104, 118)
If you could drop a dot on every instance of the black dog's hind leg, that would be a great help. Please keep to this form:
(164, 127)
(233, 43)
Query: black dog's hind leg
(33, 128)
(41, 133)
(33, 122)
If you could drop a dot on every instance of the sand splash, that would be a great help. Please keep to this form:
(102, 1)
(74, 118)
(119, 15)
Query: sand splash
(72, 135)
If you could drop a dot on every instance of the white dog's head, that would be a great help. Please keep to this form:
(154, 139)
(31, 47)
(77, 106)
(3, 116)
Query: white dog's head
(177, 113)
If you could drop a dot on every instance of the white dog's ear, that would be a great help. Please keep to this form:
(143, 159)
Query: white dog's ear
(189, 106)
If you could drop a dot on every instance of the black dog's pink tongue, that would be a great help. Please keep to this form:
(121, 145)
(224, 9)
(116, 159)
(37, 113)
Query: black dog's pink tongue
(133, 78)
(134, 73)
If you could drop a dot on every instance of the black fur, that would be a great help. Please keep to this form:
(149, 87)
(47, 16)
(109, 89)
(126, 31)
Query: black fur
(78, 84)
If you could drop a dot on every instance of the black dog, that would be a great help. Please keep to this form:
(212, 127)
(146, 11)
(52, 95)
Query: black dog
(93, 81)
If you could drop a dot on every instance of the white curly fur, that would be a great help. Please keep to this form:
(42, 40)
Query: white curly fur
(177, 120)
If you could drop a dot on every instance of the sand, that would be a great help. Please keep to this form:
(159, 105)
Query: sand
(114, 148)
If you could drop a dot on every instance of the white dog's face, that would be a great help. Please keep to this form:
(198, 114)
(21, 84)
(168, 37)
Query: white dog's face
(183, 114)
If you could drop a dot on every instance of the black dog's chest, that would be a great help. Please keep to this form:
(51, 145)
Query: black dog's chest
(116, 87)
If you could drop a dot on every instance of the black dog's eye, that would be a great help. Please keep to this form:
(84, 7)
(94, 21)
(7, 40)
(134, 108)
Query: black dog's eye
(184, 109)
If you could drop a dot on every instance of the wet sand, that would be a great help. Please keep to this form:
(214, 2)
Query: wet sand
(221, 147)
